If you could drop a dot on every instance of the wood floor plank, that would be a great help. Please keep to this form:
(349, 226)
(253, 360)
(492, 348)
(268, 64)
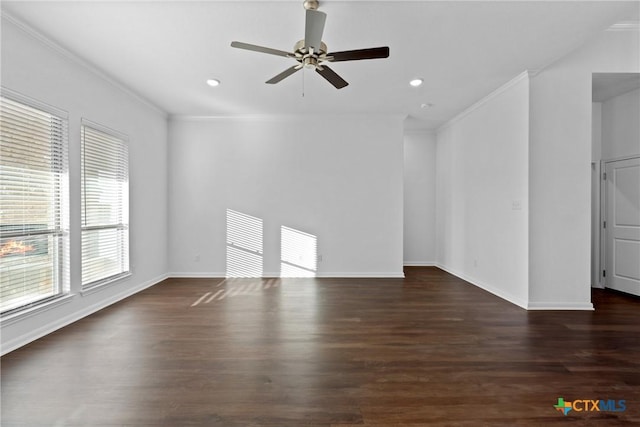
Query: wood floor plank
(427, 350)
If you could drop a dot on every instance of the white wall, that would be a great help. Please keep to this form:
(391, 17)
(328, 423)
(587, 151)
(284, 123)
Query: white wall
(560, 174)
(37, 70)
(482, 193)
(621, 126)
(337, 178)
(419, 198)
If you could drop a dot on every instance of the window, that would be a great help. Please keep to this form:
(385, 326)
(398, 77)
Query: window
(33, 203)
(105, 205)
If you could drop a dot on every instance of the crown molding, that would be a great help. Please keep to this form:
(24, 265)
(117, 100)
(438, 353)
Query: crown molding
(282, 117)
(525, 75)
(35, 34)
(625, 26)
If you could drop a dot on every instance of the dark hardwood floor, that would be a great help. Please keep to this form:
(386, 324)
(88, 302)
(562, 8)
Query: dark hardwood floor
(428, 350)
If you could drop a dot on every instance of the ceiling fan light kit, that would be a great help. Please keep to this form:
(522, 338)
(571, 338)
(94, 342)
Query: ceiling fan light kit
(311, 52)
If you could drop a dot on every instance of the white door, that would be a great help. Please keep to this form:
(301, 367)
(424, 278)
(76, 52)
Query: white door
(622, 225)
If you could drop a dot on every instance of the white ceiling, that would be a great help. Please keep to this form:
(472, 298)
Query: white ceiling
(165, 50)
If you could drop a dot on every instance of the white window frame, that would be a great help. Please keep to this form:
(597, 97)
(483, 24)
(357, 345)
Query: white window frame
(121, 227)
(58, 230)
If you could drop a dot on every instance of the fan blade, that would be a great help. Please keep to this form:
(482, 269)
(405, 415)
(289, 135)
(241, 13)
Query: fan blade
(332, 77)
(261, 49)
(313, 29)
(354, 55)
(283, 75)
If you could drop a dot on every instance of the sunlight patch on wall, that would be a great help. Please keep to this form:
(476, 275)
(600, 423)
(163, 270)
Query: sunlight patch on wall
(244, 245)
(298, 253)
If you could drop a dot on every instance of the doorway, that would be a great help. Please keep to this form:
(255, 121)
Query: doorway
(615, 204)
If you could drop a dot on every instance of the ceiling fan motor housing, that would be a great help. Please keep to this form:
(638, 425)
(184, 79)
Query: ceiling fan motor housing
(310, 58)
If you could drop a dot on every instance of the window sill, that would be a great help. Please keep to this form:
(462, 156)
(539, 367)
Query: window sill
(35, 310)
(95, 287)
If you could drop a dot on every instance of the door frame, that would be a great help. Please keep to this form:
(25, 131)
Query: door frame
(603, 207)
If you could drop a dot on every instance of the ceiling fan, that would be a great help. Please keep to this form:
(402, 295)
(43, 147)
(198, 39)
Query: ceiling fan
(312, 52)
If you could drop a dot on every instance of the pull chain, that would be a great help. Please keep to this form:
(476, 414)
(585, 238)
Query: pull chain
(303, 82)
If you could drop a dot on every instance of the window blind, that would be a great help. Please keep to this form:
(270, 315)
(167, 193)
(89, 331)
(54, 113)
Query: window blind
(105, 205)
(33, 203)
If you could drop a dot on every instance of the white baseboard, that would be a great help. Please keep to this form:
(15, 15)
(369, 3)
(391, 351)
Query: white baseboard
(40, 332)
(356, 275)
(484, 286)
(520, 303)
(420, 264)
(560, 306)
(269, 275)
(191, 275)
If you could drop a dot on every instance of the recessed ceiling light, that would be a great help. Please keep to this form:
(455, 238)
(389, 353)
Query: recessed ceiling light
(415, 82)
(213, 82)
(427, 105)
